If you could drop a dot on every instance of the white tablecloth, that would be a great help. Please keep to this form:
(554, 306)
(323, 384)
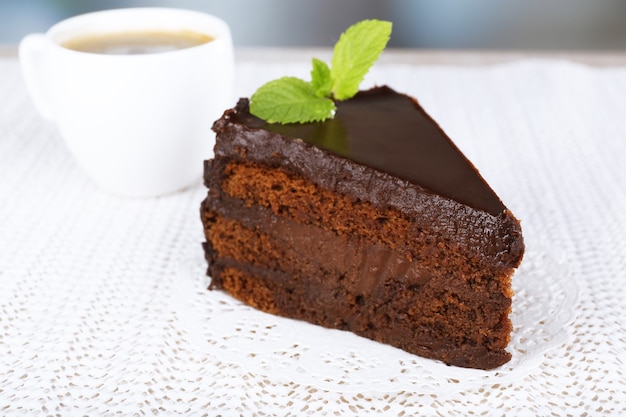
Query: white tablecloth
(87, 325)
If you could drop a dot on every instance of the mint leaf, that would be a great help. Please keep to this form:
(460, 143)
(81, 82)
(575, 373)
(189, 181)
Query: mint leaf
(321, 80)
(355, 52)
(290, 100)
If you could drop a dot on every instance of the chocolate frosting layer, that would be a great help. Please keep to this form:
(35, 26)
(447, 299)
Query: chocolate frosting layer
(391, 132)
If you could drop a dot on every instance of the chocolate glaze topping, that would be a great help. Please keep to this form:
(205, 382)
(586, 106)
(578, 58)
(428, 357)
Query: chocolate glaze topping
(391, 132)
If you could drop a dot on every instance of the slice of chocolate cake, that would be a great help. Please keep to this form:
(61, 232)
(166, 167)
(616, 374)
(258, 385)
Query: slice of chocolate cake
(372, 222)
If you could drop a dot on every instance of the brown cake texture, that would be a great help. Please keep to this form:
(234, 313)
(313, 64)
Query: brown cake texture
(372, 222)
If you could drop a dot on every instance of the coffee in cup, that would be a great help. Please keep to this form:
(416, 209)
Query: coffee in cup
(136, 42)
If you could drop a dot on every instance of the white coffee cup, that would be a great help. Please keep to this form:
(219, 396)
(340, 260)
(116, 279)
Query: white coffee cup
(139, 125)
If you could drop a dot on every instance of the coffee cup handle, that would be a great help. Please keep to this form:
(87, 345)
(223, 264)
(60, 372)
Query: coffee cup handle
(33, 50)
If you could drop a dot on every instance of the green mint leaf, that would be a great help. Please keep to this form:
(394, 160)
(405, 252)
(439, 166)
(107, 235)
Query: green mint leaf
(321, 80)
(290, 100)
(355, 52)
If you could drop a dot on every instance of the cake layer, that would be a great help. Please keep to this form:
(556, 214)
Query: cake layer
(276, 244)
(263, 292)
(428, 237)
(366, 288)
(425, 288)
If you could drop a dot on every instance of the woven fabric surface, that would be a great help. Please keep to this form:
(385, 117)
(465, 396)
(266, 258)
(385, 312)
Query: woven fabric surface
(87, 323)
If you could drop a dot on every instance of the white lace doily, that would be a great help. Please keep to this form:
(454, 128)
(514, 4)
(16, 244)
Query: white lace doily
(88, 325)
(295, 351)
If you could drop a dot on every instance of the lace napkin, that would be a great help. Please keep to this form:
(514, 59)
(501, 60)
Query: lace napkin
(103, 311)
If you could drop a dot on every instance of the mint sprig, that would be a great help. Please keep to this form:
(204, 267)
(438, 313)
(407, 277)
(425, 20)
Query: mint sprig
(321, 78)
(293, 100)
(355, 52)
(290, 100)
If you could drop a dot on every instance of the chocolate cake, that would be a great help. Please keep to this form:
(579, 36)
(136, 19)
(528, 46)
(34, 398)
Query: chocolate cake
(372, 222)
